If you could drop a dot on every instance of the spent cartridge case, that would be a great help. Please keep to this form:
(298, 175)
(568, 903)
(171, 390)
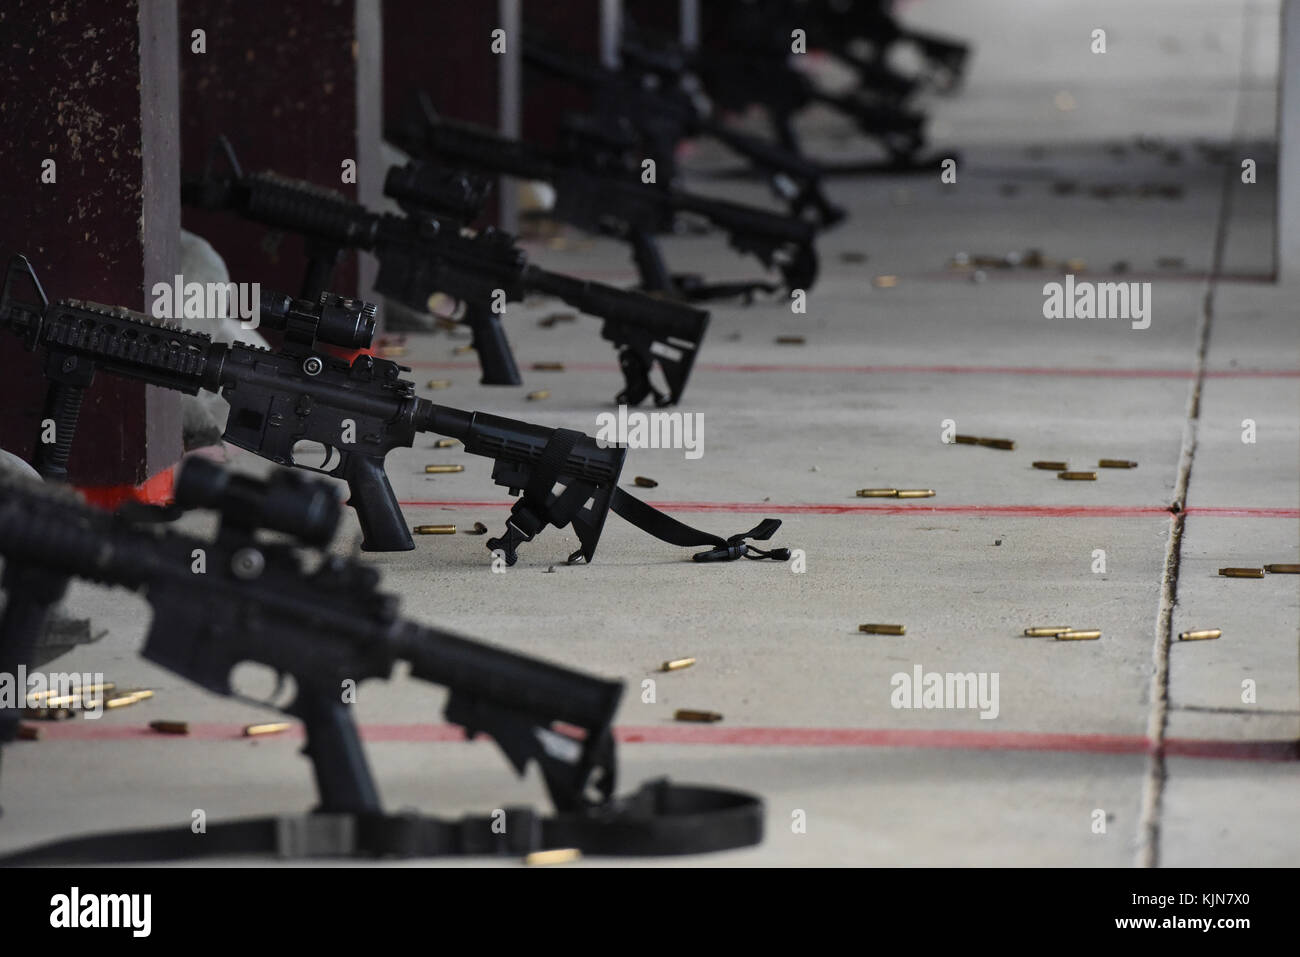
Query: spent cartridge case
(1241, 572)
(564, 855)
(272, 727)
(690, 714)
(38, 697)
(170, 727)
(1079, 634)
(128, 698)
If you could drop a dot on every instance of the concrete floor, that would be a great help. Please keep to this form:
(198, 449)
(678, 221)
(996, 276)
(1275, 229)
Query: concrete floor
(1149, 735)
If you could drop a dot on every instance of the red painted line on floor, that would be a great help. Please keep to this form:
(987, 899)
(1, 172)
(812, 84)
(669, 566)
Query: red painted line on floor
(771, 737)
(1227, 511)
(957, 741)
(1015, 511)
(1233, 750)
(883, 738)
(1053, 371)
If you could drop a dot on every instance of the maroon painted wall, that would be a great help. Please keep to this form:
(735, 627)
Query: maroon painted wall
(73, 75)
(280, 81)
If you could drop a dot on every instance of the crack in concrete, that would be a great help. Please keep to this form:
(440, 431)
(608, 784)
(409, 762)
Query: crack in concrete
(1148, 836)
(1252, 712)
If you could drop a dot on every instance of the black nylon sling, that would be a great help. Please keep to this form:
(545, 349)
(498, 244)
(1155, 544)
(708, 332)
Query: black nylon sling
(535, 508)
(660, 819)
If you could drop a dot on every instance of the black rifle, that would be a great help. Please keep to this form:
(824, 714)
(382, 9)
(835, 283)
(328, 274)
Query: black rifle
(753, 67)
(650, 334)
(665, 112)
(599, 190)
(296, 394)
(329, 628)
(424, 252)
(843, 26)
(357, 413)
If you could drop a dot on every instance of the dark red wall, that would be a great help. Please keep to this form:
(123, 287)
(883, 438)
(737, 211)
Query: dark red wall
(280, 80)
(572, 26)
(72, 77)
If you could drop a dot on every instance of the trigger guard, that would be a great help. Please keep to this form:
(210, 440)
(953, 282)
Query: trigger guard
(275, 700)
(331, 452)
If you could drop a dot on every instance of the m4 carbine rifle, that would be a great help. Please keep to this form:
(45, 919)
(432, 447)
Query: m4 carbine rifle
(356, 412)
(842, 26)
(599, 189)
(329, 628)
(754, 67)
(428, 251)
(665, 111)
(301, 394)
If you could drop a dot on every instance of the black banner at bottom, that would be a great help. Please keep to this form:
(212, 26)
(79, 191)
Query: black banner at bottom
(334, 905)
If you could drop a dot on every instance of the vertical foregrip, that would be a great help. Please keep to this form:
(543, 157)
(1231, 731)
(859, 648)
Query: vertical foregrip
(383, 528)
(63, 407)
(494, 355)
(343, 777)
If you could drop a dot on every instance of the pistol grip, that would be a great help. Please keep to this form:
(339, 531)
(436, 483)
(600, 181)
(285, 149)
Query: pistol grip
(343, 778)
(383, 528)
(494, 355)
